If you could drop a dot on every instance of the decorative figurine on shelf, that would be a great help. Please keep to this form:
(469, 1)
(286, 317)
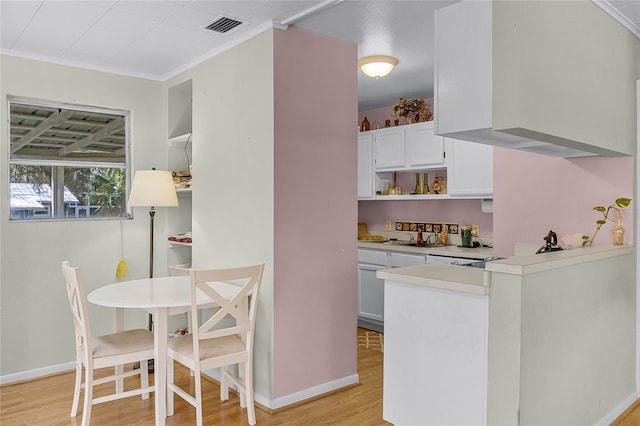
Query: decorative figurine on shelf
(387, 123)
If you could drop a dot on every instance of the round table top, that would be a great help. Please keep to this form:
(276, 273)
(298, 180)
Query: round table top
(160, 292)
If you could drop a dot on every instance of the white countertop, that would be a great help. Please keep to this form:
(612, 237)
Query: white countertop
(438, 275)
(523, 265)
(454, 251)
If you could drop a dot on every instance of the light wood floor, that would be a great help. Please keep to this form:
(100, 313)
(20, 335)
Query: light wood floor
(47, 401)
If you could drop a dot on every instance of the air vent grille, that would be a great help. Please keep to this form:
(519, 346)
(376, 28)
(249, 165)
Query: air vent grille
(223, 25)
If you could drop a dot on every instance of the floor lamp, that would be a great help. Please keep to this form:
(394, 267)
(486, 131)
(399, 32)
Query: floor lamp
(152, 188)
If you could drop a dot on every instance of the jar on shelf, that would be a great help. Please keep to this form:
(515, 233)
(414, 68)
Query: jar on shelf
(618, 229)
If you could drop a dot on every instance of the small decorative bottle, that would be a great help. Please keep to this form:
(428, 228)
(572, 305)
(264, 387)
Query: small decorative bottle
(418, 189)
(365, 126)
(618, 230)
(425, 182)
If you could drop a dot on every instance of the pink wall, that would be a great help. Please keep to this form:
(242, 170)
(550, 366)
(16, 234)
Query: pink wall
(535, 193)
(381, 114)
(315, 275)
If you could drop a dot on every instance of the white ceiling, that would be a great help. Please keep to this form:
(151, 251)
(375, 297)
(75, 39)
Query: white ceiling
(158, 39)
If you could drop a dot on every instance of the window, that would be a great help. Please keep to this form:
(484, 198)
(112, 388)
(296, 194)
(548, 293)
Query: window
(67, 161)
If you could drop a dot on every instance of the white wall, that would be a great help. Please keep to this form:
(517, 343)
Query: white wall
(36, 329)
(232, 200)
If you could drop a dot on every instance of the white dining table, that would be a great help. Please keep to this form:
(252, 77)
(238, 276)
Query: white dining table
(161, 297)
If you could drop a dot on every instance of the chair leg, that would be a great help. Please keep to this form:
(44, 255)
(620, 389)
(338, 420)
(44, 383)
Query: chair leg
(76, 390)
(198, 396)
(118, 370)
(144, 381)
(88, 395)
(248, 386)
(224, 384)
(242, 377)
(170, 381)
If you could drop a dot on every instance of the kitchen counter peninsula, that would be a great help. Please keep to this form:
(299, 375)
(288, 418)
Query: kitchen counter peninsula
(537, 339)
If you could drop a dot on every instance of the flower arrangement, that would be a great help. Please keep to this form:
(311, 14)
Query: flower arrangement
(620, 203)
(411, 109)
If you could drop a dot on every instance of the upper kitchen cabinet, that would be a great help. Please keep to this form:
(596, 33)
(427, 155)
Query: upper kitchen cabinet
(409, 147)
(470, 170)
(555, 78)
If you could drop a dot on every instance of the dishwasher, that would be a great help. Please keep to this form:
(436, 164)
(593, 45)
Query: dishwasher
(463, 261)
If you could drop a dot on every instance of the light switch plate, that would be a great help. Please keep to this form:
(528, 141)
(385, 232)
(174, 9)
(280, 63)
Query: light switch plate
(475, 230)
(388, 225)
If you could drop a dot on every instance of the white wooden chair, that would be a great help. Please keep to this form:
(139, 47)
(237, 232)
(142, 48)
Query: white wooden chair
(112, 350)
(216, 344)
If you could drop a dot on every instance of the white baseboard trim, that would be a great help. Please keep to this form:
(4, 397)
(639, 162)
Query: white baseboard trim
(314, 391)
(293, 398)
(37, 372)
(618, 409)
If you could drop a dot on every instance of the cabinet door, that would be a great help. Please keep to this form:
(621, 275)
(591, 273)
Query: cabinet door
(423, 147)
(365, 166)
(389, 148)
(370, 293)
(470, 169)
(399, 260)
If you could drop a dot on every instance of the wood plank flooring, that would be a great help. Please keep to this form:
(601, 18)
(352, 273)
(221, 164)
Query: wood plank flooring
(47, 401)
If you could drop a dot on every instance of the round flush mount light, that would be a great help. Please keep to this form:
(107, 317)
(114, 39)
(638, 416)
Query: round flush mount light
(377, 66)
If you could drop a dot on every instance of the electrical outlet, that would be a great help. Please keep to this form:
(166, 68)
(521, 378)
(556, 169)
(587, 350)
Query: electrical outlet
(388, 225)
(475, 230)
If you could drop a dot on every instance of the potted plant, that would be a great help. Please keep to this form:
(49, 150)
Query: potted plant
(618, 231)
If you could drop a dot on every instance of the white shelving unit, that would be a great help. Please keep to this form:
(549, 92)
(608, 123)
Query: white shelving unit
(179, 154)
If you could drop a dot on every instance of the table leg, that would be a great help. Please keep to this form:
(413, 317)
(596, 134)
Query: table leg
(118, 325)
(160, 336)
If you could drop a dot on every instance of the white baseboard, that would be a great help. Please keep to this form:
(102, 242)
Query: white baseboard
(618, 409)
(37, 372)
(311, 392)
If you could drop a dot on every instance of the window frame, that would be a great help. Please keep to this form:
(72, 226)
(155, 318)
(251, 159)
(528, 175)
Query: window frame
(54, 165)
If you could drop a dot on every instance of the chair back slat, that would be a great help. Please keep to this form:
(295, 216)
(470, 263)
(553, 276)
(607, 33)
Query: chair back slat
(78, 305)
(202, 279)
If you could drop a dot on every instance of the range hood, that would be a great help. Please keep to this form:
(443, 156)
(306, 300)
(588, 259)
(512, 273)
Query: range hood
(495, 83)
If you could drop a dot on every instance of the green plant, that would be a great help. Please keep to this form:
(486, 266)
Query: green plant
(620, 203)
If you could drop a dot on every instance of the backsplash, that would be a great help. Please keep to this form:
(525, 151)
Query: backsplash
(451, 228)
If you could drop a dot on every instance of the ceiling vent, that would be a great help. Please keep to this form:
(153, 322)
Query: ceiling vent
(223, 25)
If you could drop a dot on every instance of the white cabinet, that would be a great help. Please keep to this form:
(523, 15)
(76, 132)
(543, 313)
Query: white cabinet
(389, 148)
(409, 147)
(371, 289)
(365, 165)
(423, 147)
(435, 356)
(399, 260)
(470, 170)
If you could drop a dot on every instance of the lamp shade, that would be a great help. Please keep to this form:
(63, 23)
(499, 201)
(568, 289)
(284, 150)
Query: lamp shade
(153, 188)
(377, 66)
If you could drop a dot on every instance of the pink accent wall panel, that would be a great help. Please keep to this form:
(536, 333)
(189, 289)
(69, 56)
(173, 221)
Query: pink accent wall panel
(315, 253)
(536, 193)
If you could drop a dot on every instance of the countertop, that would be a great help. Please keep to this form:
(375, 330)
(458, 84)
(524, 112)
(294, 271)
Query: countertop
(439, 275)
(453, 251)
(530, 264)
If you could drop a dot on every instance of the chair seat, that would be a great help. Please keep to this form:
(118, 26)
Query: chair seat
(121, 343)
(208, 348)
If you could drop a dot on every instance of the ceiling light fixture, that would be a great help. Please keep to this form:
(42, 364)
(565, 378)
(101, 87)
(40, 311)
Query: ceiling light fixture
(377, 66)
